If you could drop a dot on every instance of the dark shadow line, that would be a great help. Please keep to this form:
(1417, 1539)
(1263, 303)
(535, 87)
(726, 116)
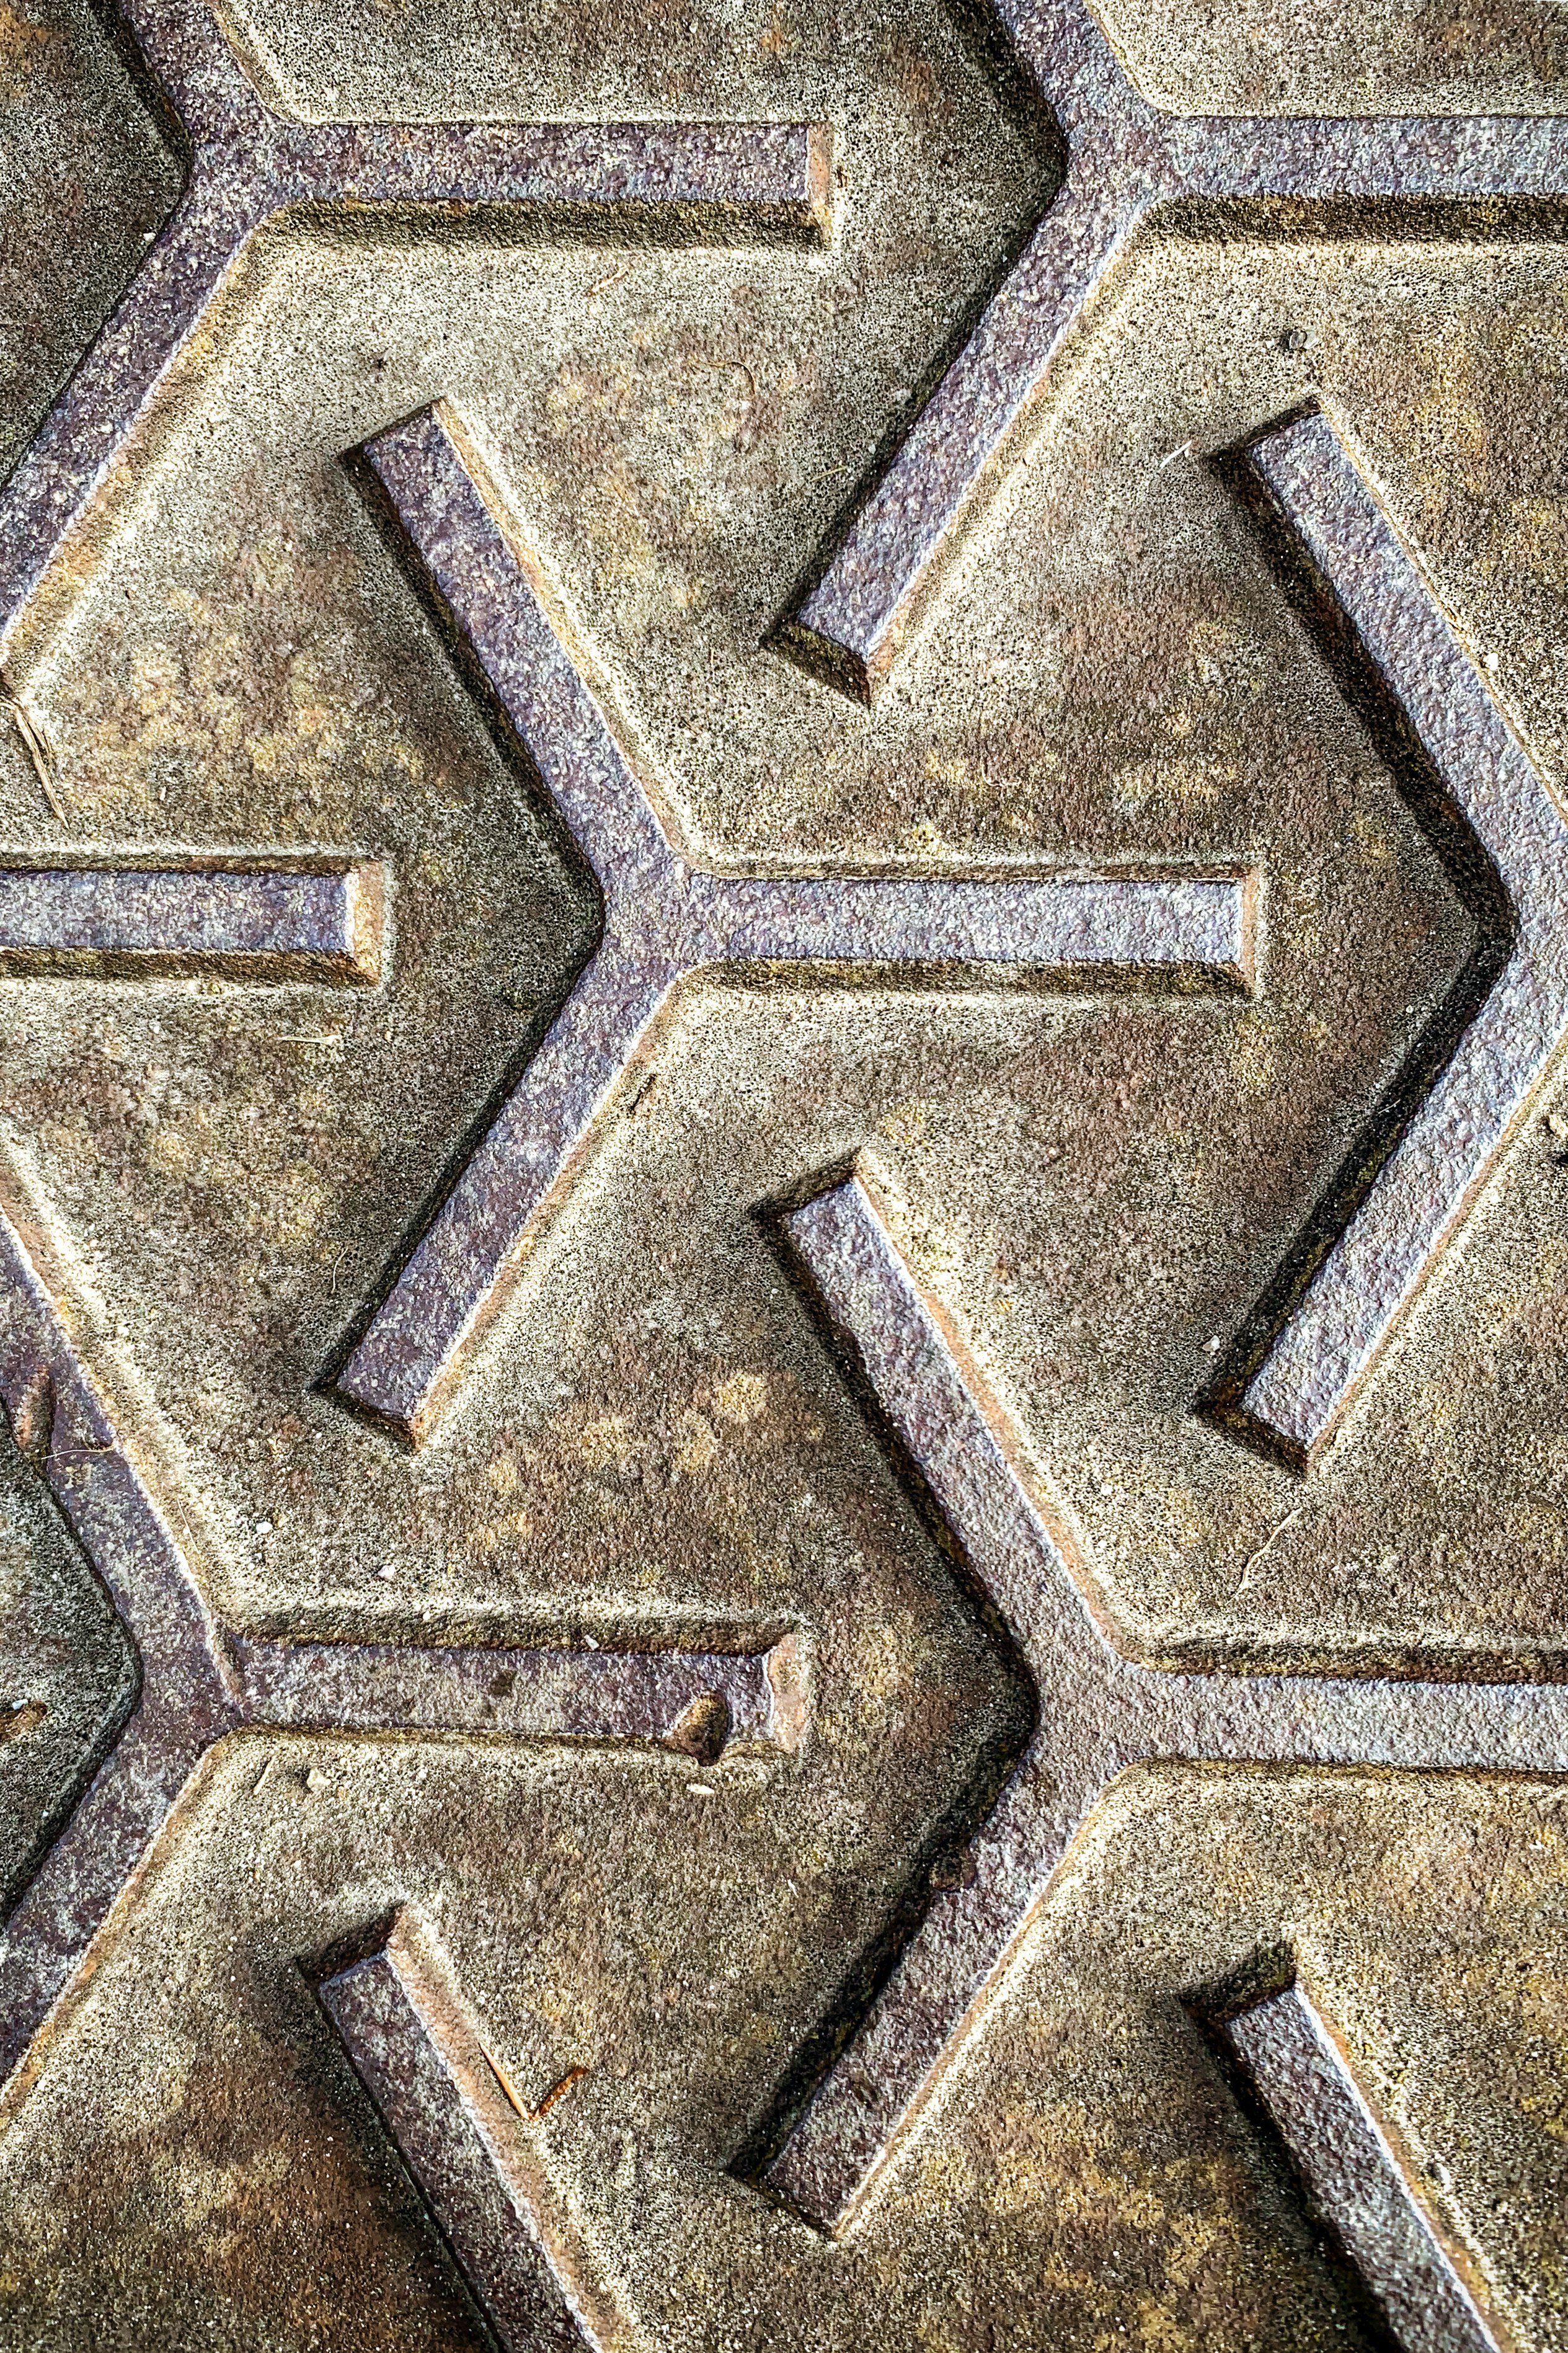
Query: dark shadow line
(939, 1859)
(328, 2072)
(979, 30)
(655, 225)
(514, 754)
(1468, 867)
(114, 28)
(57, 1817)
(1394, 220)
(1360, 2320)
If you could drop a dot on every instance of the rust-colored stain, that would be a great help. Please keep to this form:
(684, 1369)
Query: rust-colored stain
(558, 2091)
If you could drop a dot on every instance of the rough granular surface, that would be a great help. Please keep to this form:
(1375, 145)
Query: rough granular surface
(784, 1203)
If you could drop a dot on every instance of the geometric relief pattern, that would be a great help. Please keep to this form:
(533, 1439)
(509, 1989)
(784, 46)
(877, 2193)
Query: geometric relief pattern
(319, 918)
(1126, 162)
(664, 916)
(199, 1680)
(1504, 839)
(1097, 1711)
(247, 169)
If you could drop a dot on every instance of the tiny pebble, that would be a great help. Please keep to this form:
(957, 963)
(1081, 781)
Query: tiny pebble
(387, 1571)
(264, 1527)
(700, 1790)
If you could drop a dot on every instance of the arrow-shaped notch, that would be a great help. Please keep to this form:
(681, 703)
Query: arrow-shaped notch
(1356, 1285)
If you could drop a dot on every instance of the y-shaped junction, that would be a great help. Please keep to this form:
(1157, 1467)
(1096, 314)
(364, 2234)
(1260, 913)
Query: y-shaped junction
(665, 917)
(1126, 160)
(313, 918)
(197, 1680)
(1097, 1711)
(474, 2152)
(686, 183)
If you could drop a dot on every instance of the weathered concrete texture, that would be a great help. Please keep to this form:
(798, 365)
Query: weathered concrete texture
(77, 127)
(1354, 2176)
(653, 1451)
(1370, 56)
